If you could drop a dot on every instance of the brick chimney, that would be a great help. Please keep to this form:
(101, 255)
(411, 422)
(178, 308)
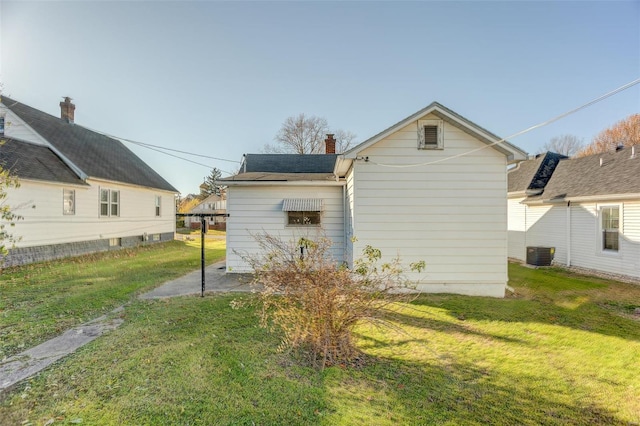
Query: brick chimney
(67, 110)
(330, 144)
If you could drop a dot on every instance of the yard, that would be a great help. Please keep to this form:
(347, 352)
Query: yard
(565, 349)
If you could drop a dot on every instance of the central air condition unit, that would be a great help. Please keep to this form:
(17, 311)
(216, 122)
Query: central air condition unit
(540, 256)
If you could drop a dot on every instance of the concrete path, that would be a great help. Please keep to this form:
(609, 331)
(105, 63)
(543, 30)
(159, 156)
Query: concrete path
(26, 364)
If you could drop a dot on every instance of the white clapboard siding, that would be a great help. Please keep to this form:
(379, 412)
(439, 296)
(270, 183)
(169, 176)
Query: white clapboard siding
(41, 206)
(516, 225)
(586, 244)
(546, 227)
(452, 215)
(258, 209)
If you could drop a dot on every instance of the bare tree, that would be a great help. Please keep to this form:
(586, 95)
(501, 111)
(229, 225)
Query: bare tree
(568, 145)
(304, 134)
(625, 132)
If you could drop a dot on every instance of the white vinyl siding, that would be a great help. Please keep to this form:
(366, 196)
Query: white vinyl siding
(516, 225)
(546, 227)
(258, 209)
(549, 226)
(452, 214)
(45, 224)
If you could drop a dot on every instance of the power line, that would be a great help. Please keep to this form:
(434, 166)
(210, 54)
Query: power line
(522, 132)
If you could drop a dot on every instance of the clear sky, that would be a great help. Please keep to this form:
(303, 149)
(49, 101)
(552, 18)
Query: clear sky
(219, 78)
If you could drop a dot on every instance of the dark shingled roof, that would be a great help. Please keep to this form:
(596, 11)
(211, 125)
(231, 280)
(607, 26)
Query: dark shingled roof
(579, 177)
(289, 163)
(96, 155)
(30, 161)
(278, 177)
(533, 175)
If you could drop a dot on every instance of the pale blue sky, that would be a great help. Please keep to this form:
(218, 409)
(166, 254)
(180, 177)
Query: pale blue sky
(219, 78)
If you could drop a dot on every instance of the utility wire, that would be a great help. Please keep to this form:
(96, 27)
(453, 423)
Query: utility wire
(544, 123)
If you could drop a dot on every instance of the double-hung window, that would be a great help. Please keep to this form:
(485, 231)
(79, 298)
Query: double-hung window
(68, 201)
(158, 202)
(109, 202)
(610, 227)
(303, 212)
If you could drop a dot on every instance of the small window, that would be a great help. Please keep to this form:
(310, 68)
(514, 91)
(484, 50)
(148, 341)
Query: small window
(109, 202)
(115, 203)
(68, 201)
(1, 125)
(430, 134)
(155, 237)
(104, 202)
(610, 222)
(158, 201)
(303, 218)
(115, 242)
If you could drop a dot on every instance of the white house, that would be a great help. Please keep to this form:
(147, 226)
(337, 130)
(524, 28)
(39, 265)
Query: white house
(587, 209)
(213, 204)
(431, 187)
(80, 191)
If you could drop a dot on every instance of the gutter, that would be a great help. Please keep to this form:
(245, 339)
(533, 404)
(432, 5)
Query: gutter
(586, 198)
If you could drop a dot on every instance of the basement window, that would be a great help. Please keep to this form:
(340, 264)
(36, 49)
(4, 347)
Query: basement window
(430, 134)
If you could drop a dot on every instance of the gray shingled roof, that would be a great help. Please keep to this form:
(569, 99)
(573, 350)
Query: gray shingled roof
(96, 155)
(579, 177)
(289, 163)
(30, 161)
(533, 174)
(278, 177)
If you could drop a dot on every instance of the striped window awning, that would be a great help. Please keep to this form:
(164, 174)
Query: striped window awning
(302, 205)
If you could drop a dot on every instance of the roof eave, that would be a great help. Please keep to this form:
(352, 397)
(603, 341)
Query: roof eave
(285, 182)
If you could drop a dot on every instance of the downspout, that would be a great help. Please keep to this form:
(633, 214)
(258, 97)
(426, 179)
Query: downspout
(344, 223)
(568, 233)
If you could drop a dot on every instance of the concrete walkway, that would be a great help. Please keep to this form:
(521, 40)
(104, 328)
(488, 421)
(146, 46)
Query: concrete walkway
(26, 364)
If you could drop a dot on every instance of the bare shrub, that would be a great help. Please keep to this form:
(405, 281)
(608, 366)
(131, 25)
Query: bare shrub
(316, 302)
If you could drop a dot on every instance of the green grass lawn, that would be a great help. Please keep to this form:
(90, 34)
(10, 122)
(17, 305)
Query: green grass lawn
(563, 350)
(43, 300)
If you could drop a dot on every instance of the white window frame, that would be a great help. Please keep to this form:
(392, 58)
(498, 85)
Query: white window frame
(68, 208)
(303, 213)
(158, 205)
(602, 229)
(421, 135)
(109, 203)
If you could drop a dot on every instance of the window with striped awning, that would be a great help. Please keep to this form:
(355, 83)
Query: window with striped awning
(302, 205)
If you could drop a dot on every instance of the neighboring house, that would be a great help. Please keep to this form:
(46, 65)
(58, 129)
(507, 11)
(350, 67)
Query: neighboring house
(587, 209)
(431, 187)
(213, 204)
(80, 191)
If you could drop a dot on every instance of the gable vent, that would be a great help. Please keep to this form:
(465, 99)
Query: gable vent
(430, 134)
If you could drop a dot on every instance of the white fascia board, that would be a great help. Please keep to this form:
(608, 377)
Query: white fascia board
(517, 194)
(342, 166)
(587, 198)
(340, 182)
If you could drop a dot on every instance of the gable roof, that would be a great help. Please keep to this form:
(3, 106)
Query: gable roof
(512, 152)
(30, 161)
(532, 175)
(94, 154)
(586, 177)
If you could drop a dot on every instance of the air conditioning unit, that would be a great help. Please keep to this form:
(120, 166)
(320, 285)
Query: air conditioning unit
(540, 256)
